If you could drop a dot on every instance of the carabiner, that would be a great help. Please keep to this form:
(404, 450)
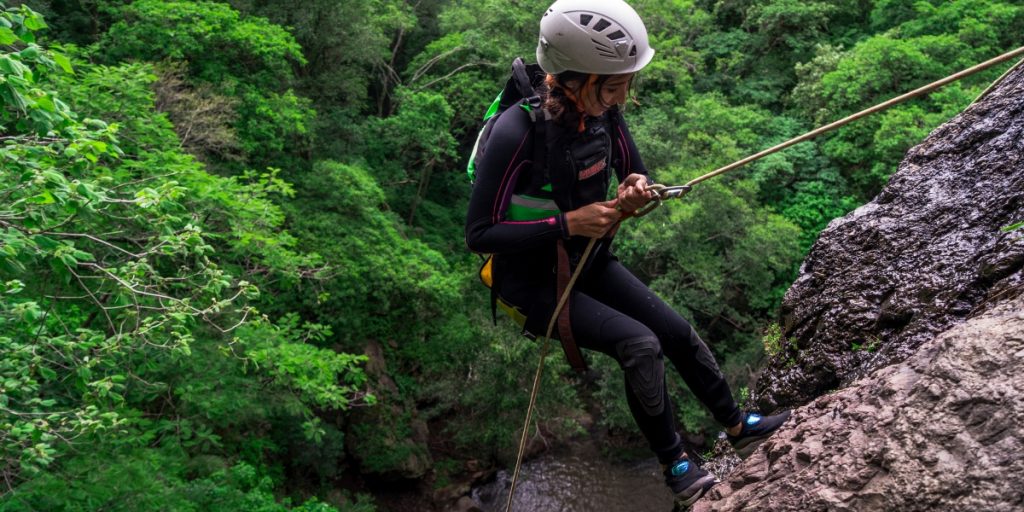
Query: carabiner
(661, 193)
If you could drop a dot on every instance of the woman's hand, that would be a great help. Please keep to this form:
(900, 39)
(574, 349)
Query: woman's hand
(593, 220)
(631, 193)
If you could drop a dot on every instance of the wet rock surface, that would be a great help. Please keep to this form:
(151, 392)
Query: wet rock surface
(939, 431)
(926, 254)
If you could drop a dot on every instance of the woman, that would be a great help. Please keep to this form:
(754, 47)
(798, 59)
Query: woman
(530, 216)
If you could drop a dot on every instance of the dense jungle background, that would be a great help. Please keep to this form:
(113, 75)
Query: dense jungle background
(232, 268)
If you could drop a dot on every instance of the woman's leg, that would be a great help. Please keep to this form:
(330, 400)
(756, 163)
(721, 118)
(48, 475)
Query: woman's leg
(596, 326)
(621, 290)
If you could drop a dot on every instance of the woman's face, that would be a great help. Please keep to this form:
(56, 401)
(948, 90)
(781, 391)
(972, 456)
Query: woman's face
(613, 92)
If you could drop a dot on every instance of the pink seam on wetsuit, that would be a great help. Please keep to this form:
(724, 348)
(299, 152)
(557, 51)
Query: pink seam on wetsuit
(503, 194)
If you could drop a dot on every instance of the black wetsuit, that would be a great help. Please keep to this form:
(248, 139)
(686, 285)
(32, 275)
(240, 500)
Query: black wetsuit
(611, 311)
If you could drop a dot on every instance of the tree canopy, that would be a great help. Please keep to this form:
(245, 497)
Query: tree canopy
(232, 268)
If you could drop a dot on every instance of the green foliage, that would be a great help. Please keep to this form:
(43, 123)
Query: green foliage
(137, 372)
(247, 48)
(377, 283)
(29, 108)
(244, 57)
(125, 481)
(937, 40)
(492, 397)
(313, 373)
(871, 344)
(469, 62)
(120, 270)
(405, 149)
(751, 54)
(773, 340)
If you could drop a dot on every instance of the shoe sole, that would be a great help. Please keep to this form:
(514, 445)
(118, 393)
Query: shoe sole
(746, 447)
(702, 486)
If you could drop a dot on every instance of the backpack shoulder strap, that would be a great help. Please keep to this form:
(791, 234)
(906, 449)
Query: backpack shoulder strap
(527, 79)
(540, 145)
(521, 78)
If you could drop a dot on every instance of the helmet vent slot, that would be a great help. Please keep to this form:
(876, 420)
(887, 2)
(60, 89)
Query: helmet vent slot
(603, 24)
(632, 51)
(604, 50)
(585, 19)
(616, 35)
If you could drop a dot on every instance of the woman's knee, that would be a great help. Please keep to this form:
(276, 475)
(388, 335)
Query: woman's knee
(642, 360)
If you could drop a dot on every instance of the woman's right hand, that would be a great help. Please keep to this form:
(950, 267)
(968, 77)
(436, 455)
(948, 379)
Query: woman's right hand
(593, 220)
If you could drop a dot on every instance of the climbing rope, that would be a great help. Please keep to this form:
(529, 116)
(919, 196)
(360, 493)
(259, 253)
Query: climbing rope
(540, 369)
(662, 193)
(997, 82)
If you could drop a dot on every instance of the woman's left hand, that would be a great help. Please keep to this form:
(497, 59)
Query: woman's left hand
(632, 194)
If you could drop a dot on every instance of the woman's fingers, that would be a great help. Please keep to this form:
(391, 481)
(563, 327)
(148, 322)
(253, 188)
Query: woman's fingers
(635, 195)
(593, 220)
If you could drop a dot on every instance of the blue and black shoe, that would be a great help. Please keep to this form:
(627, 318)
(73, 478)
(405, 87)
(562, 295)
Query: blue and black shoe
(689, 482)
(756, 429)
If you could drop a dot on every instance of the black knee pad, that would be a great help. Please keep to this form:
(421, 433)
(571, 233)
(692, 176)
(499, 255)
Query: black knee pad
(641, 358)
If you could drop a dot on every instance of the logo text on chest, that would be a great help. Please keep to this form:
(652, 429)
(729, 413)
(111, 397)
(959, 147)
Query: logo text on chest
(592, 170)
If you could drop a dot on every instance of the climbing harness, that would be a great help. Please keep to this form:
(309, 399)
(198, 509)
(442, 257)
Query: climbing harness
(663, 193)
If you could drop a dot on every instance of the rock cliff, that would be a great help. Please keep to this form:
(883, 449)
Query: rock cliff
(926, 254)
(904, 340)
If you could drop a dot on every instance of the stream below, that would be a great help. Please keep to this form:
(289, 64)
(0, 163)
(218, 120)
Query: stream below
(579, 479)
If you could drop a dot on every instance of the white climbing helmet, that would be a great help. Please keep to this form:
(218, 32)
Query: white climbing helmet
(601, 37)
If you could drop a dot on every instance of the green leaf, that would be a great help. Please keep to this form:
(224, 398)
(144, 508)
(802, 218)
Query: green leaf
(44, 198)
(35, 22)
(54, 177)
(87, 192)
(30, 53)
(68, 260)
(82, 255)
(46, 243)
(62, 61)
(7, 36)
(26, 36)
(13, 286)
(84, 373)
(1013, 227)
(47, 373)
(16, 98)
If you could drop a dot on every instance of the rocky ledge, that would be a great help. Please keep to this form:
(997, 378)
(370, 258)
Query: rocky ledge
(940, 431)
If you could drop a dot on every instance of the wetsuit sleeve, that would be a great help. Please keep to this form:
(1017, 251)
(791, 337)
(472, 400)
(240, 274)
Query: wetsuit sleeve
(631, 161)
(507, 156)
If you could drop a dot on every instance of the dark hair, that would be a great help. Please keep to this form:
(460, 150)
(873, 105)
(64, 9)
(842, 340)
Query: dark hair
(565, 104)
